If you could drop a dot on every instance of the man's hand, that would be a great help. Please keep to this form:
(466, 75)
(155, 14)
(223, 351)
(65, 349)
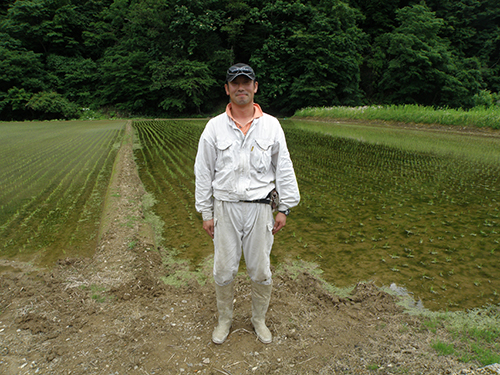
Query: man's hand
(279, 222)
(209, 227)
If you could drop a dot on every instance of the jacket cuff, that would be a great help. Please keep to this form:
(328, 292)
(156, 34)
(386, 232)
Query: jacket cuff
(207, 215)
(282, 207)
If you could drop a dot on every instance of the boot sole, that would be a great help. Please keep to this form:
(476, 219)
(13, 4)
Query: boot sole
(264, 341)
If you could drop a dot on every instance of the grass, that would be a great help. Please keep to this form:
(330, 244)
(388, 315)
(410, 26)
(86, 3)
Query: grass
(476, 117)
(366, 199)
(96, 292)
(179, 272)
(442, 348)
(472, 336)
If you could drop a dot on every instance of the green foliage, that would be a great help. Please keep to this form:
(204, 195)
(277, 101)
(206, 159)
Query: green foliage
(324, 75)
(379, 15)
(75, 76)
(13, 103)
(46, 26)
(52, 105)
(150, 57)
(486, 99)
(184, 84)
(125, 80)
(473, 28)
(416, 65)
(21, 75)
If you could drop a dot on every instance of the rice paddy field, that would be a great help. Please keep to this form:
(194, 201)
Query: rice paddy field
(413, 207)
(392, 204)
(53, 181)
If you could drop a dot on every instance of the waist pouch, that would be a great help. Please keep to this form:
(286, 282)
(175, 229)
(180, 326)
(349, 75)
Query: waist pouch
(272, 198)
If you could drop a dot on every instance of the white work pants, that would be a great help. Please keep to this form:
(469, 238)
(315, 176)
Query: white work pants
(242, 226)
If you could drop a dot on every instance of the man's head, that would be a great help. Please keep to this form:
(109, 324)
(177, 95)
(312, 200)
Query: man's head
(241, 85)
(238, 70)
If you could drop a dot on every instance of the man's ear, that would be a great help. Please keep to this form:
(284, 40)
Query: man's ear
(256, 87)
(226, 88)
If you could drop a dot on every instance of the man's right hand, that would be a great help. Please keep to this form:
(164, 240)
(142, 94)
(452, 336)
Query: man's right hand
(209, 227)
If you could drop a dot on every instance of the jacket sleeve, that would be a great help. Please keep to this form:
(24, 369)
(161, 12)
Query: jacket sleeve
(286, 182)
(204, 170)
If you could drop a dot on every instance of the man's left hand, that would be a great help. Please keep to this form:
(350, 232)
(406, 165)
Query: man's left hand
(279, 222)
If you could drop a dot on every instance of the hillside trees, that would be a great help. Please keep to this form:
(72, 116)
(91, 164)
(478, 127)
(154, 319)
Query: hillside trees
(21, 74)
(310, 55)
(415, 65)
(473, 28)
(43, 53)
(168, 57)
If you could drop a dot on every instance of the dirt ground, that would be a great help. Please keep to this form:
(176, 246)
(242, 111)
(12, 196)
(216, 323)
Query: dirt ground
(112, 314)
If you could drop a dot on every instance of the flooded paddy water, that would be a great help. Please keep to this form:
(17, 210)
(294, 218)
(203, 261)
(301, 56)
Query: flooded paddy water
(411, 207)
(414, 206)
(392, 204)
(53, 179)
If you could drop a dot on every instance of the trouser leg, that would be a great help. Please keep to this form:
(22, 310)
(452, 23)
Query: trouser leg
(246, 226)
(257, 242)
(257, 246)
(243, 227)
(227, 242)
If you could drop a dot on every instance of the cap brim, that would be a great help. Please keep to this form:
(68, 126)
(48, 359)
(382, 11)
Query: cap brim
(231, 78)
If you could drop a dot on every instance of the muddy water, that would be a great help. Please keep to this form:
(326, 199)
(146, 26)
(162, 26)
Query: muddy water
(53, 177)
(414, 207)
(420, 209)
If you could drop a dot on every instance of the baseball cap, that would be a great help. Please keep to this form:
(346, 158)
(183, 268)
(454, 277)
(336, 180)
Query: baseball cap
(239, 70)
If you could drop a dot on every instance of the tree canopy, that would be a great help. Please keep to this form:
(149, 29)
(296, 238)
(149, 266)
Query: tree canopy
(169, 57)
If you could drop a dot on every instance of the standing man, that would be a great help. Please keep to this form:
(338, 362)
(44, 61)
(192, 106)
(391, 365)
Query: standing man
(242, 161)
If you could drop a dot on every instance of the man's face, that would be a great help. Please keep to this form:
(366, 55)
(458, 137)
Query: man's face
(241, 90)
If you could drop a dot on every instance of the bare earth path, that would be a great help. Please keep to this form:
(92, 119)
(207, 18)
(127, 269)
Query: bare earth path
(112, 315)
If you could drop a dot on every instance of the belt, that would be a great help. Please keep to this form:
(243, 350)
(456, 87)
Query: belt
(265, 201)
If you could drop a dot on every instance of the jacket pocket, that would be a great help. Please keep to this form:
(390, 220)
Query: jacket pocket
(224, 155)
(260, 155)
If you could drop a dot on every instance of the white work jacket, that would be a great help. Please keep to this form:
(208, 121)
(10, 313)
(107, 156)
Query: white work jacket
(232, 167)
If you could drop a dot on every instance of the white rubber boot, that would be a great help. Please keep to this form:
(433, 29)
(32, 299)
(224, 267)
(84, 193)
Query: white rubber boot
(225, 297)
(261, 295)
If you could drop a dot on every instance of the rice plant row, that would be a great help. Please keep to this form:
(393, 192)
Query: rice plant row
(426, 221)
(53, 180)
(165, 160)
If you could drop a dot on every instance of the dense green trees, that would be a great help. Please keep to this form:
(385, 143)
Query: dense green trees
(413, 64)
(438, 52)
(309, 54)
(168, 57)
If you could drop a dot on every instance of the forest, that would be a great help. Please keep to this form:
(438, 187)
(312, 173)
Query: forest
(61, 58)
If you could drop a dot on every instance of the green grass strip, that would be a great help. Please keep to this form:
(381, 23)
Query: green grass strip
(476, 117)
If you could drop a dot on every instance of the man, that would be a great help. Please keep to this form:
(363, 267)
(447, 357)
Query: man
(242, 157)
